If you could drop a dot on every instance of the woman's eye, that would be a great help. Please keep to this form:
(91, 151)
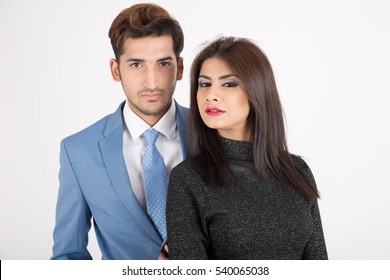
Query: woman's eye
(204, 84)
(229, 84)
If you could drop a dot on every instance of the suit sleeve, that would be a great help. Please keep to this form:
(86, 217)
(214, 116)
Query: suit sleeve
(187, 233)
(73, 217)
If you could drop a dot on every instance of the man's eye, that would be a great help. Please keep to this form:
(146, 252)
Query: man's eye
(135, 65)
(165, 64)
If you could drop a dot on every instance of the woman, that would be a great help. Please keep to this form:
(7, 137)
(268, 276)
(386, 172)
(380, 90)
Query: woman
(243, 196)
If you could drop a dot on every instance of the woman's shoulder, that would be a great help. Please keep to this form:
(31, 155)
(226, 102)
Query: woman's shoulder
(188, 167)
(187, 177)
(299, 162)
(187, 164)
(303, 167)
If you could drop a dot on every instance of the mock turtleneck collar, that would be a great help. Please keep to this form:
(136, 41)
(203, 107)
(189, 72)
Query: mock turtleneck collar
(238, 150)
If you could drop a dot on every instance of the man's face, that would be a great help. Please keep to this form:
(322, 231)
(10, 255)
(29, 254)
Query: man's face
(148, 71)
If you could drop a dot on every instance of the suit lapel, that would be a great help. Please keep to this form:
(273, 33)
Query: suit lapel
(181, 121)
(112, 154)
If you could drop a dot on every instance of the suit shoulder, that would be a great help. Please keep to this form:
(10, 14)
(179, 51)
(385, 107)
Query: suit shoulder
(93, 131)
(181, 110)
(96, 131)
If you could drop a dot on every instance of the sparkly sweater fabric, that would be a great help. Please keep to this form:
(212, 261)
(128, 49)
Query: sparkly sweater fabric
(249, 218)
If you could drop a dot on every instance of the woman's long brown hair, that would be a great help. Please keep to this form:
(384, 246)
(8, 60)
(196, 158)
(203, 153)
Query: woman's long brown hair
(271, 156)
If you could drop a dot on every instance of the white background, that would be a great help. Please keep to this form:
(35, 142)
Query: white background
(331, 61)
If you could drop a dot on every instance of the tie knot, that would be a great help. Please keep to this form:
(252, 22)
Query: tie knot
(150, 136)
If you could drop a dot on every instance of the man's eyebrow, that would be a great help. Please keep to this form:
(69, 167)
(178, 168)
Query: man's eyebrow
(134, 60)
(165, 58)
(143, 60)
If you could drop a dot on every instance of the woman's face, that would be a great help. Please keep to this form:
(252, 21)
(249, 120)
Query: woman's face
(223, 104)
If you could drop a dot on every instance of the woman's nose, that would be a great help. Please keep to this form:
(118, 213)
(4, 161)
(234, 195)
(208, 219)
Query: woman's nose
(212, 95)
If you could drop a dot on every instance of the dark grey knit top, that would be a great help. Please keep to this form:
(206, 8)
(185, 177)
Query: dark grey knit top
(249, 218)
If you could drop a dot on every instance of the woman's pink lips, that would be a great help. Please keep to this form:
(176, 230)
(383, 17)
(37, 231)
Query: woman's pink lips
(212, 111)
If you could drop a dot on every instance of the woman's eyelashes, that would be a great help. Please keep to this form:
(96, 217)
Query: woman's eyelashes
(230, 84)
(204, 84)
(224, 84)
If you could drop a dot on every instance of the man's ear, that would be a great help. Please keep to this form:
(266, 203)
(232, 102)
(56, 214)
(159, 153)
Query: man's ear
(180, 69)
(114, 67)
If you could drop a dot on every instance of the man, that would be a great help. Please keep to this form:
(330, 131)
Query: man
(106, 169)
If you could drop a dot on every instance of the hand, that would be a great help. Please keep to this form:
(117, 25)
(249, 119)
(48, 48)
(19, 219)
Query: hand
(164, 253)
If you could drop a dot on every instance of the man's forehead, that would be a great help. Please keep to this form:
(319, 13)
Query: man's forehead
(149, 48)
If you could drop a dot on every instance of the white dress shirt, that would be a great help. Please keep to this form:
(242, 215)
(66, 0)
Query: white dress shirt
(168, 144)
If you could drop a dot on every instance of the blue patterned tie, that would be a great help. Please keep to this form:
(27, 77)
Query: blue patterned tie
(155, 181)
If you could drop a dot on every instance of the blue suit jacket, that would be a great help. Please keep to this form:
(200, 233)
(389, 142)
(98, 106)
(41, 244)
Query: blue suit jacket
(94, 182)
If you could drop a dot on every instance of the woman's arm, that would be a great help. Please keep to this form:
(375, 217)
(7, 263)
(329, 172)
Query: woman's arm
(186, 208)
(316, 249)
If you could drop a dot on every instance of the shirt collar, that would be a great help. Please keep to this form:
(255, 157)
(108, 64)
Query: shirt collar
(137, 126)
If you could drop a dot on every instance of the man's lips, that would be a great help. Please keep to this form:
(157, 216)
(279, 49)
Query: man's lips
(152, 95)
(213, 111)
